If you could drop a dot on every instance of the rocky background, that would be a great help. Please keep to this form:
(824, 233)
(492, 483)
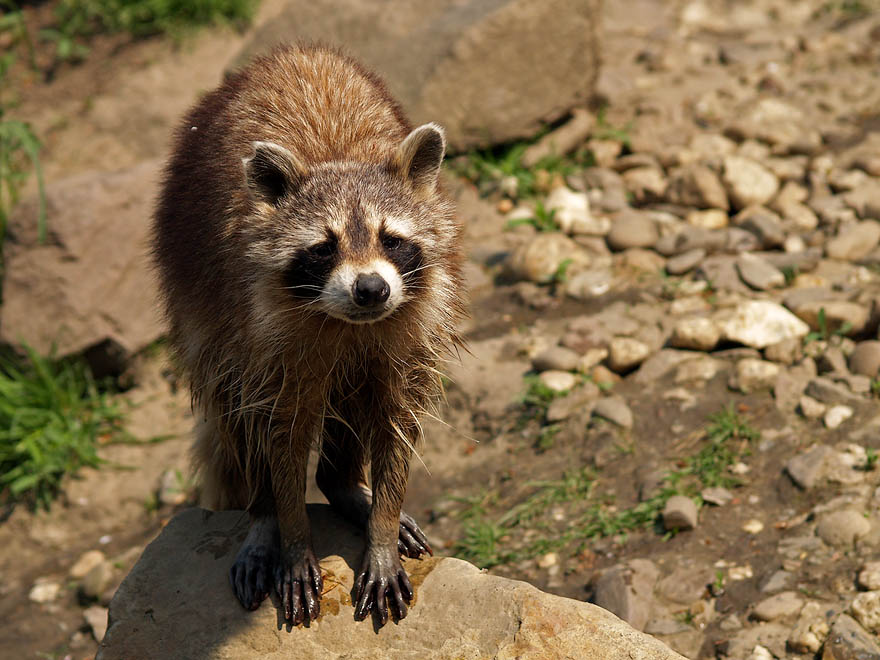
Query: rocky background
(669, 403)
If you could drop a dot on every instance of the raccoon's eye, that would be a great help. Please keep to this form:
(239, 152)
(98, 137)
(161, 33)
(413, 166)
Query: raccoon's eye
(390, 242)
(324, 250)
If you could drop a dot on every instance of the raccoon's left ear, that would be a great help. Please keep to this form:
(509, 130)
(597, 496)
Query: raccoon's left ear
(419, 157)
(272, 172)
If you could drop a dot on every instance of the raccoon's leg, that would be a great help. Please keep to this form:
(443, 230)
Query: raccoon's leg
(298, 578)
(381, 573)
(341, 477)
(256, 563)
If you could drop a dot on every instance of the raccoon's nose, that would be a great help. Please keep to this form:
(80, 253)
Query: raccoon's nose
(370, 290)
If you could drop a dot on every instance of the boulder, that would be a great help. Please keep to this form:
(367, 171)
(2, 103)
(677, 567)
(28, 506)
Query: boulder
(89, 286)
(487, 71)
(177, 603)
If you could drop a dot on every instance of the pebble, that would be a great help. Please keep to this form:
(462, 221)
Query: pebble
(646, 184)
(808, 468)
(86, 562)
(581, 399)
(779, 606)
(865, 359)
(827, 391)
(626, 353)
(847, 640)
(540, 258)
(839, 315)
(753, 526)
(753, 374)
(748, 182)
(556, 357)
(696, 333)
(764, 224)
(589, 284)
(591, 358)
(558, 381)
(697, 185)
(717, 495)
(758, 273)
(680, 513)
(760, 653)
(854, 241)
(44, 591)
(615, 410)
(632, 229)
(627, 590)
(837, 415)
(866, 610)
(96, 617)
(685, 262)
(760, 323)
(810, 408)
(842, 528)
(698, 369)
(810, 630)
(708, 219)
(788, 351)
(777, 581)
(869, 576)
(98, 580)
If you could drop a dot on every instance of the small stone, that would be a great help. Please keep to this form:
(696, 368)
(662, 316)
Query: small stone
(788, 351)
(615, 410)
(753, 526)
(865, 359)
(808, 468)
(827, 391)
(558, 358)
(580, 400)
(865, 199)
(696, 333)
(866, 610)
(642, 259)
(748, 182)
(810, 408)
(718, 496)
(548, 560)
(758, 273)
(86, 562)
(708, 219)
(646, 184)
(44, 591)
(869, 576)
(810, 630)
(591, 358)
(631, 229)
(760, 653)
(627, 590)
(854, 241)
(697, 185)
(760, 323)
(740, 573)
(540, 259)
(701, 368)
(626, 353)
(603, 376)
(680, 513)
(765, 225)
(842, 528)
(832, 361)
(97, 580)
(849, 641)
(571, 211)
(558, 381)
(753, 374)
(691, 238)
(96, 617)
(589, 284)
(780, 606)
(777, 581)
(837, 415)
(687, 261)
(841, 316)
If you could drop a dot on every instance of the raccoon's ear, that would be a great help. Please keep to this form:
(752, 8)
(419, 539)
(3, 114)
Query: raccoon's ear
(272, 172)
(419, 156)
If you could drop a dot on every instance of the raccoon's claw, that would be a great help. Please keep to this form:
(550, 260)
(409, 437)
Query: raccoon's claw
(298, 583)
(251, 574)
(381, 577)
(411, 541)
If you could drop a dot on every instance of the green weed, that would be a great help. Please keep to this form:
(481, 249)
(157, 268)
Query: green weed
(825, 332)
(52, 416)
(607, 131)
(542, 220)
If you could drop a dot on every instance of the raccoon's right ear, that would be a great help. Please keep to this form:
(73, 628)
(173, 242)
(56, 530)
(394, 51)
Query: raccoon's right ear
(272, 172)
(420, 155)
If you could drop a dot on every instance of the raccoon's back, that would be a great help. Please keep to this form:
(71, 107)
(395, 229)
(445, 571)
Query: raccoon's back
(320, 105)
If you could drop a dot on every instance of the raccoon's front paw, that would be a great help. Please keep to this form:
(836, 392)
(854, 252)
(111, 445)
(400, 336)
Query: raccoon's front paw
(251, 574)
(299, 583)
(381, 577)
(411, 540)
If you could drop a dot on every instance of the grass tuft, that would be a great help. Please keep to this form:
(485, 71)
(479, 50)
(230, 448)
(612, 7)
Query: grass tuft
(52, 418)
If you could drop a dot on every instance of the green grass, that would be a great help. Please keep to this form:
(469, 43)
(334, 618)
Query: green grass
(825, 332)
(607, 131)
(525, 531)
(19, 158)
(543, 219)
(52, 417)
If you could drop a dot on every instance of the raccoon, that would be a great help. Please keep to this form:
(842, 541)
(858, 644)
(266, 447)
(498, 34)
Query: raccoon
(310, 267)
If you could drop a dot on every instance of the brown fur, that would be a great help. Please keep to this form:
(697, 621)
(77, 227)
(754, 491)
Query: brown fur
(270, 378)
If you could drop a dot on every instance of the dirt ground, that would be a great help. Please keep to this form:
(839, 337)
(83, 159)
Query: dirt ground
(664, 80)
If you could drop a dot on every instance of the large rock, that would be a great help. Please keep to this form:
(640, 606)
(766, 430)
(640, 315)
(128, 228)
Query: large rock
(90, 283)
(760, 323)
(177, 603)
(488, 70)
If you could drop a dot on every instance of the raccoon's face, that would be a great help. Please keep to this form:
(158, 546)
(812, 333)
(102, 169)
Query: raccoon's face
(353, 239)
